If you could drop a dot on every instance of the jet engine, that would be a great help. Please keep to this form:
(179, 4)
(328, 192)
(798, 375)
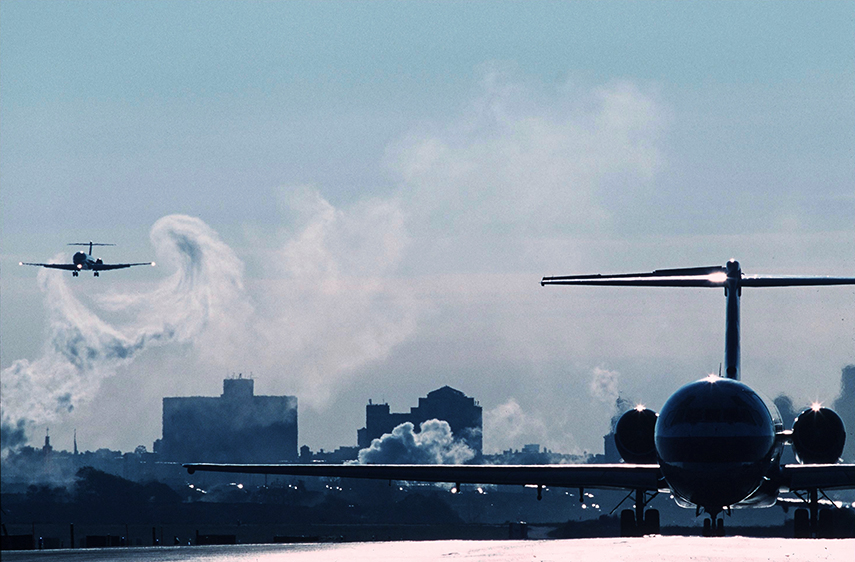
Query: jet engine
(634, 436)
(818, 436)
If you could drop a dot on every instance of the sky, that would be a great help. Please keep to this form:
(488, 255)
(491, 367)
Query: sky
(357, 200)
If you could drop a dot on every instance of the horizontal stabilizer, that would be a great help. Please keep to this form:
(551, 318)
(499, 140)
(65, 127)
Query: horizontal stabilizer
(760, 281)
(707, 276)
(680, 272)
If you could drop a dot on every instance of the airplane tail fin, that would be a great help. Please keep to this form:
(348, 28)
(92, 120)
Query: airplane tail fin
(90, 244)
(729, 277)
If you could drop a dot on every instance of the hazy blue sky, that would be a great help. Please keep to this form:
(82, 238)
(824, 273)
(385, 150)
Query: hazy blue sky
(381, 186)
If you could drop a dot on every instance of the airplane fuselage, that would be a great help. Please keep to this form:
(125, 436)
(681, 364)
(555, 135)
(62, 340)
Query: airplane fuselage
(84, 261)
(716, 441)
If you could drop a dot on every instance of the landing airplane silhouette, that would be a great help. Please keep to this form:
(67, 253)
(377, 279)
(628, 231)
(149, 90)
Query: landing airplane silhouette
(81, 261)
(715, 446)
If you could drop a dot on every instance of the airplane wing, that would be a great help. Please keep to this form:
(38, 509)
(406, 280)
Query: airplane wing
(601, 476)
(823, 476)
(66, 266)
(109, 266)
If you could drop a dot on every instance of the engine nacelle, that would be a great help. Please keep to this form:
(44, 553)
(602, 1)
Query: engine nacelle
(634, 436)
(818, 436)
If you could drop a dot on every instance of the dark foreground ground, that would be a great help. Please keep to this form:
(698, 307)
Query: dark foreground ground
(49, 536)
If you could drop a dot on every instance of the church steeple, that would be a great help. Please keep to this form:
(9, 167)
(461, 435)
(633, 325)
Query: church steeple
(47, 448)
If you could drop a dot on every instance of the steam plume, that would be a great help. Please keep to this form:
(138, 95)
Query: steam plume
(82, 349)
(604, 385)
(434, 444)
(327, 307)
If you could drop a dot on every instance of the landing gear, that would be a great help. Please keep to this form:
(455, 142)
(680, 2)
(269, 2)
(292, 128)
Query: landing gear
(648, 526)
(96, 274)
(813, 522)
(638, 522)
(801, 524)
(74, 274)
(825, 524)
(714, 526)
(627, 524)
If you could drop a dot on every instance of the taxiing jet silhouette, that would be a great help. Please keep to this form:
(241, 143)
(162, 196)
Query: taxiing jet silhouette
(715, 446)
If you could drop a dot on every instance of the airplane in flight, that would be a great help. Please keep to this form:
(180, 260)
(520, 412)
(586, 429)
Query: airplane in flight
(715, 446)
(81, 261)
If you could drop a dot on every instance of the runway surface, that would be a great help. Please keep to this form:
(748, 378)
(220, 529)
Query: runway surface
(652, 549)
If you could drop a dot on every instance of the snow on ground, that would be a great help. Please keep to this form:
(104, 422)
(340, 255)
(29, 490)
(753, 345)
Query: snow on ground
(653, 549)
(647, 549)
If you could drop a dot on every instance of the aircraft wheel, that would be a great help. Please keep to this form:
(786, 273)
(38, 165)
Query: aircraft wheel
(96, 274)
(719, 527)
(707, 528)
(651, 522)
(627, 523)
(825, 527)
(74, 274)
(801, 524)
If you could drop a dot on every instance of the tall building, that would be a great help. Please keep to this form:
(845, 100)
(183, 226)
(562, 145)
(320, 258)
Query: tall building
(236, 427)
(462, 413)
(845, 407)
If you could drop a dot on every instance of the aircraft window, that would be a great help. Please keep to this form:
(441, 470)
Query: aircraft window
(694, 415)
(755, 417)
(675, 417)
(748, 417)
(726, 415)
(669, 420)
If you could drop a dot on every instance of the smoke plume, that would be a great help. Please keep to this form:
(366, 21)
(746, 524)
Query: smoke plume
(433, 444)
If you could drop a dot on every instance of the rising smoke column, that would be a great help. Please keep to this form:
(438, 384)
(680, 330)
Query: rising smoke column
(82, 349)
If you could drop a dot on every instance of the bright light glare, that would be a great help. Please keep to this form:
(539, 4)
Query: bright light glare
(640, 408)
(240, 486)
(720, 277)
(816, 406)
